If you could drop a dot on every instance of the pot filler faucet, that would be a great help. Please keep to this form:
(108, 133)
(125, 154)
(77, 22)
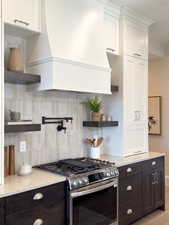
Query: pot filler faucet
(57, 120)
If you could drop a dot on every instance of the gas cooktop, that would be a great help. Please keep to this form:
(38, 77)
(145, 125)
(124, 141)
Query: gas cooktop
(82, 171)
(69, 167)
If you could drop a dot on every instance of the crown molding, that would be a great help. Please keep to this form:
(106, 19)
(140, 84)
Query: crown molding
(133, 15)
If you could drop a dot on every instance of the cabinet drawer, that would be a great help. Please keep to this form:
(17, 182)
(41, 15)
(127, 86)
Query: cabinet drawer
(46, 216)
(37, 198)
(130, 189)
(129, 170)
(129, 213)
(153, 163)
(1, 211)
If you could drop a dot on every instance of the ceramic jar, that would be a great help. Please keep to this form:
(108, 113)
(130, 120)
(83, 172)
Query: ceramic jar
(15, 61)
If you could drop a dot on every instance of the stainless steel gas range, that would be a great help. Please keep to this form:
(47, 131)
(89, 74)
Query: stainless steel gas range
(91, 190)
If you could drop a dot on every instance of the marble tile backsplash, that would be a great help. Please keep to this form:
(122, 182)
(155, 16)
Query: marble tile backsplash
(47, 145)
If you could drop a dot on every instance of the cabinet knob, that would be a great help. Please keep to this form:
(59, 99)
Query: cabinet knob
(38, 222)
(129, 188)
(153, 163)
(38, 196)
(129, 170)
(129, 212)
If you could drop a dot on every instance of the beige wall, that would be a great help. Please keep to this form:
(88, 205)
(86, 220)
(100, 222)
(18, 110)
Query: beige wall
(159, 86)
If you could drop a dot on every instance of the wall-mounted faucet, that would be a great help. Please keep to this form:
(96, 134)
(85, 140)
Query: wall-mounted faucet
(57, 120)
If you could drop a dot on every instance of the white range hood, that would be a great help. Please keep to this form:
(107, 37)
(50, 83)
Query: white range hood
(71, 54)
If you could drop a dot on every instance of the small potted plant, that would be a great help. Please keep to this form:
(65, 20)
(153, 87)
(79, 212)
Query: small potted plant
(95, 106)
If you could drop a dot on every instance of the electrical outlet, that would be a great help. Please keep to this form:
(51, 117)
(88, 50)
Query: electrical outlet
(23, 146)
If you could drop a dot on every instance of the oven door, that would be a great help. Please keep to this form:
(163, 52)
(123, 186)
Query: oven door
(94, 205)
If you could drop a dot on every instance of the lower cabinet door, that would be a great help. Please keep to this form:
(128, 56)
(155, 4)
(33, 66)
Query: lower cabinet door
(148, 192)
(159, 188)
(42, 216)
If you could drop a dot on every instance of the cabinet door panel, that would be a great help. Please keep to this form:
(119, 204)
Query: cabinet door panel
(148, 192)
(135, 40)
(23, 13)
(159, 188)
(135, 105)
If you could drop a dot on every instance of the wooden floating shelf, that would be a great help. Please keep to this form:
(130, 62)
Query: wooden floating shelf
(100, 123)
(114, 88)
(21, 78)
(22, 128)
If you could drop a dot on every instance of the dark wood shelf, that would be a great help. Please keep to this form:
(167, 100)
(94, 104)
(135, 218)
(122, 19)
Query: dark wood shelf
(114, 88)
(100, 123)
(22, 128)
(21, 78)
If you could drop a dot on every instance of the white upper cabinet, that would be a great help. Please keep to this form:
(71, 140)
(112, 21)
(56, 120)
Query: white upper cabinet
(135, 97)
(23, 13)
(135, 40)
(111, 35)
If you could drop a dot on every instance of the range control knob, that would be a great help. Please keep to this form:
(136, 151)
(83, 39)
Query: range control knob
(80, 182)
(74, 183)
(107, 174)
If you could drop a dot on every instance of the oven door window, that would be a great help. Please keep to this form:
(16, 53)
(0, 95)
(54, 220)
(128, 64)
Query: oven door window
(99, 208)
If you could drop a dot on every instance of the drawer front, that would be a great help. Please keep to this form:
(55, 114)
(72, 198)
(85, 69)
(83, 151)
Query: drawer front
(130, 170)
(54, 215)
(37, 198)
(130, 189)
(153, 163)
(1, 211)
(129, 213)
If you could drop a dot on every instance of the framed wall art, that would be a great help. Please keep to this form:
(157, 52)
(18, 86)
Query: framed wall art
(154, 115)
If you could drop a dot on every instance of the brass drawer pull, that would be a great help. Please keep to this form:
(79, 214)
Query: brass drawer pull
(129, 212)
(38, 196)
(38, 222)
(129, 188)
(129, 170)
(153, 163)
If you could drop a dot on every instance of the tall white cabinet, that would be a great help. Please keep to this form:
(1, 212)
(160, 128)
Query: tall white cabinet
(130, 105)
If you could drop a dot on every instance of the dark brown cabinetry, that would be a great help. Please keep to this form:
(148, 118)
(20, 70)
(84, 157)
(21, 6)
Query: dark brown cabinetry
(141, 189)
(2, 212)
(153, 185)
(41, 206)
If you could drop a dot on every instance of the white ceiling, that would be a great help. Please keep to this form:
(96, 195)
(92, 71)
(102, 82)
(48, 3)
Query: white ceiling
(158, 10)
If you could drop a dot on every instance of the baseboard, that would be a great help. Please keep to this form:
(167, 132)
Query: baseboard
(167, 180)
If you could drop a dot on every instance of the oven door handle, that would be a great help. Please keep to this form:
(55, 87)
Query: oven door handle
(93, 190)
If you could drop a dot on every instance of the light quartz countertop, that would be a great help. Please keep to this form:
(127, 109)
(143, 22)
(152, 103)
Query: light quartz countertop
(39, 178)
(18, 184)
(122, 161)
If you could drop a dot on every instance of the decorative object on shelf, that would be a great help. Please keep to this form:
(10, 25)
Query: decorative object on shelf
(95, 106)
(14, 116)
(154, 115)
(9, 160)
(57, 120)
(94, 143)
(103, 117)
(109, 118)
(15, 61)
(25, 170)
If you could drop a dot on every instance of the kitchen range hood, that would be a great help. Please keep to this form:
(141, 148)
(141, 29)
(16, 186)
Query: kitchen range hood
(70, 54)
